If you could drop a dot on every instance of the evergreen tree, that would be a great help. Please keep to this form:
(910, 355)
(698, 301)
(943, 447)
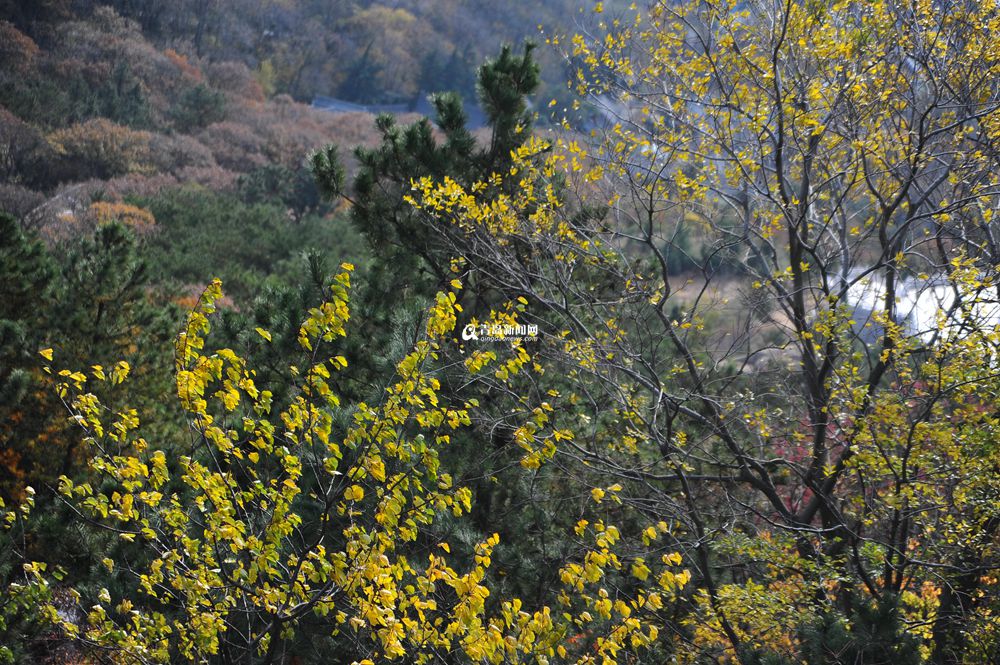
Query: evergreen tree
(198, 107)
(26, 277)
(122, 98)
(295, 189)
(411, 262)
(25, 274)
(93, 309)
(873, 634)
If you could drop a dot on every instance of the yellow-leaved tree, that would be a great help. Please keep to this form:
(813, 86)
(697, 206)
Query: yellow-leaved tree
(310, 527)
(770, 279)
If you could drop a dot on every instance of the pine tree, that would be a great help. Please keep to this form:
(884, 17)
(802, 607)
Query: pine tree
(26, 272)
(92, 309)
(411, 261)
(26, 276)
(873, 635)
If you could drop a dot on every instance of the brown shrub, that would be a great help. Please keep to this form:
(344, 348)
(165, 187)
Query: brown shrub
(214, 178)
(92, 72)
(138, 219)
(236, 80)
(23, 150)
(191, 72)
(101, 149)
(92, 48)
(235, 146)
(172, 153)
(138, 185)
(288, 143)
(19, 201)
(289, 131)
(103, 36)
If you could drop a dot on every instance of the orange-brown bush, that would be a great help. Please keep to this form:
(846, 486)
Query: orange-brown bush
(191, 72)
(138, 219)
(99, 148)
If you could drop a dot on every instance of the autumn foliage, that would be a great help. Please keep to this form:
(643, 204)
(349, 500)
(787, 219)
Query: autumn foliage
(709, 377)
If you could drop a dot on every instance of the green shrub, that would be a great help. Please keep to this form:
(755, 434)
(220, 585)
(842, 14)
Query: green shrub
(295, 189)
(204, 234)
(198, 107)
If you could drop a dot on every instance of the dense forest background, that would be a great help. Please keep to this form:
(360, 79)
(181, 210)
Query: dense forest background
(163, 106)
(360, 51)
